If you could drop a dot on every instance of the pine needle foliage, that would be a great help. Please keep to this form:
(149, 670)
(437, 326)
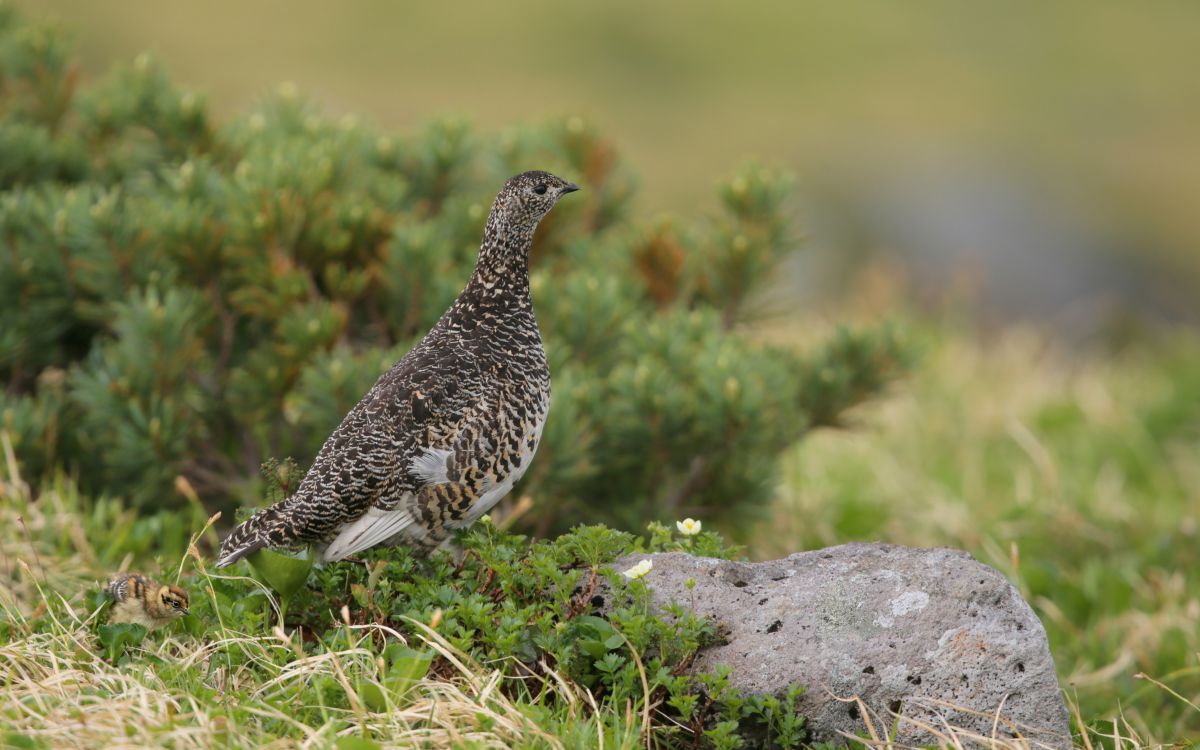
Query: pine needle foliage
(183, 297)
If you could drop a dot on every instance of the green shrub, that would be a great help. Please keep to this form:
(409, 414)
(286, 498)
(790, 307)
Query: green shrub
(524, 608)
(187, 298)
(552, 626)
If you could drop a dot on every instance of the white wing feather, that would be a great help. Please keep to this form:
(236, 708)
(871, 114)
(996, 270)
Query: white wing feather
(378, 526)
(430, 465)
(374, 527)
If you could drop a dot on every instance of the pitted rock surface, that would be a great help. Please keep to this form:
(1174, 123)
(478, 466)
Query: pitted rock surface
(931, 634)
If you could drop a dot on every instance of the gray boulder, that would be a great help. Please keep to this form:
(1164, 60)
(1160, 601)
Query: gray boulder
(932, 635)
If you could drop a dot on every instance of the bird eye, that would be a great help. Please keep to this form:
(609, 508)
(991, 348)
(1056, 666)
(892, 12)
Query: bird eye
(540, 190)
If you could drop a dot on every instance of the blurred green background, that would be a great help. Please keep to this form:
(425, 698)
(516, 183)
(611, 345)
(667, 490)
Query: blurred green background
(1048, 152)
(1023, 162)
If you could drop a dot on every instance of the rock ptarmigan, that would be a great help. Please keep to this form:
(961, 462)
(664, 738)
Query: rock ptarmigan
(138, 600)
(445, 433)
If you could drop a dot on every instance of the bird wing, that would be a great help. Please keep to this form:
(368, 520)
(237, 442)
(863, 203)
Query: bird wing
(351, 470)
(354, 467)
(432, 412)
(430, 465)
(361, 489)
(118, 587)
(373, 527)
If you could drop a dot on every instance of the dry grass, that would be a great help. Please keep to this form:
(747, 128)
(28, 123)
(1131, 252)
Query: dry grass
(62, 692)
(182, 692)
(234, 689)
(1056, 470)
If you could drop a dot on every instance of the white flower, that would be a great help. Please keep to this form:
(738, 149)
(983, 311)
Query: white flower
(688, 526)
(640, 570)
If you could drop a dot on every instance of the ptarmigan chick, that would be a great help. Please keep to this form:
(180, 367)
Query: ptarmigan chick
(138, 600)
(447, 431)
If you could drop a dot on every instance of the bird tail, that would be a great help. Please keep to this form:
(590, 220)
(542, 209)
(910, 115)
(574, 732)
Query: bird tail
(267, 528)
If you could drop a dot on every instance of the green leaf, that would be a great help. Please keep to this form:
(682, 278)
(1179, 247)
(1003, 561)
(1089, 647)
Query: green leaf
(116, 637)
(407, 666)
(22, 741)
(357, 743)
(193, 625)
(597, 625)
(283, 573)
(372, 695)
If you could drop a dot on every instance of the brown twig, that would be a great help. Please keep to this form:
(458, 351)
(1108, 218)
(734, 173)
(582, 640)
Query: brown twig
(487, 581)
(579, 603)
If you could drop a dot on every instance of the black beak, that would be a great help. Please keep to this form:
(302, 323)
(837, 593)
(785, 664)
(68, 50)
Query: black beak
(570, 188)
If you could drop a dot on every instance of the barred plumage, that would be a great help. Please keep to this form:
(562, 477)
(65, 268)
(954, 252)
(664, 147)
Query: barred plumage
(137, 599)
(446, 432)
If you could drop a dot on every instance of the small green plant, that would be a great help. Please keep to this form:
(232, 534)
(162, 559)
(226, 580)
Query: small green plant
(405, 667)
(283, 573)
(544, 622)
(534, 611)
(116, 638)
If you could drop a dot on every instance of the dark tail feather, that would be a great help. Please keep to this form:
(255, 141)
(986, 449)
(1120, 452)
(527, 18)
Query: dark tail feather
(266, 528)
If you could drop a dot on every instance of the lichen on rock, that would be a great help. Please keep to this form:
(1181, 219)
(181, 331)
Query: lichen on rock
(932, 635)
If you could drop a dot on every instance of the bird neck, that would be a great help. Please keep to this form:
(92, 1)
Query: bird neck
(500, 281)
(154, 604)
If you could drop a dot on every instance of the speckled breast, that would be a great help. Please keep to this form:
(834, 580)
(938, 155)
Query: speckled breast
(521, 428)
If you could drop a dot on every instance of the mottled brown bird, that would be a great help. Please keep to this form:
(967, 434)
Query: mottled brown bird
(139, 600)
(445, 433)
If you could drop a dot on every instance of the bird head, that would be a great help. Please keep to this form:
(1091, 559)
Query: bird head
(174, 601)
(526, 198)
